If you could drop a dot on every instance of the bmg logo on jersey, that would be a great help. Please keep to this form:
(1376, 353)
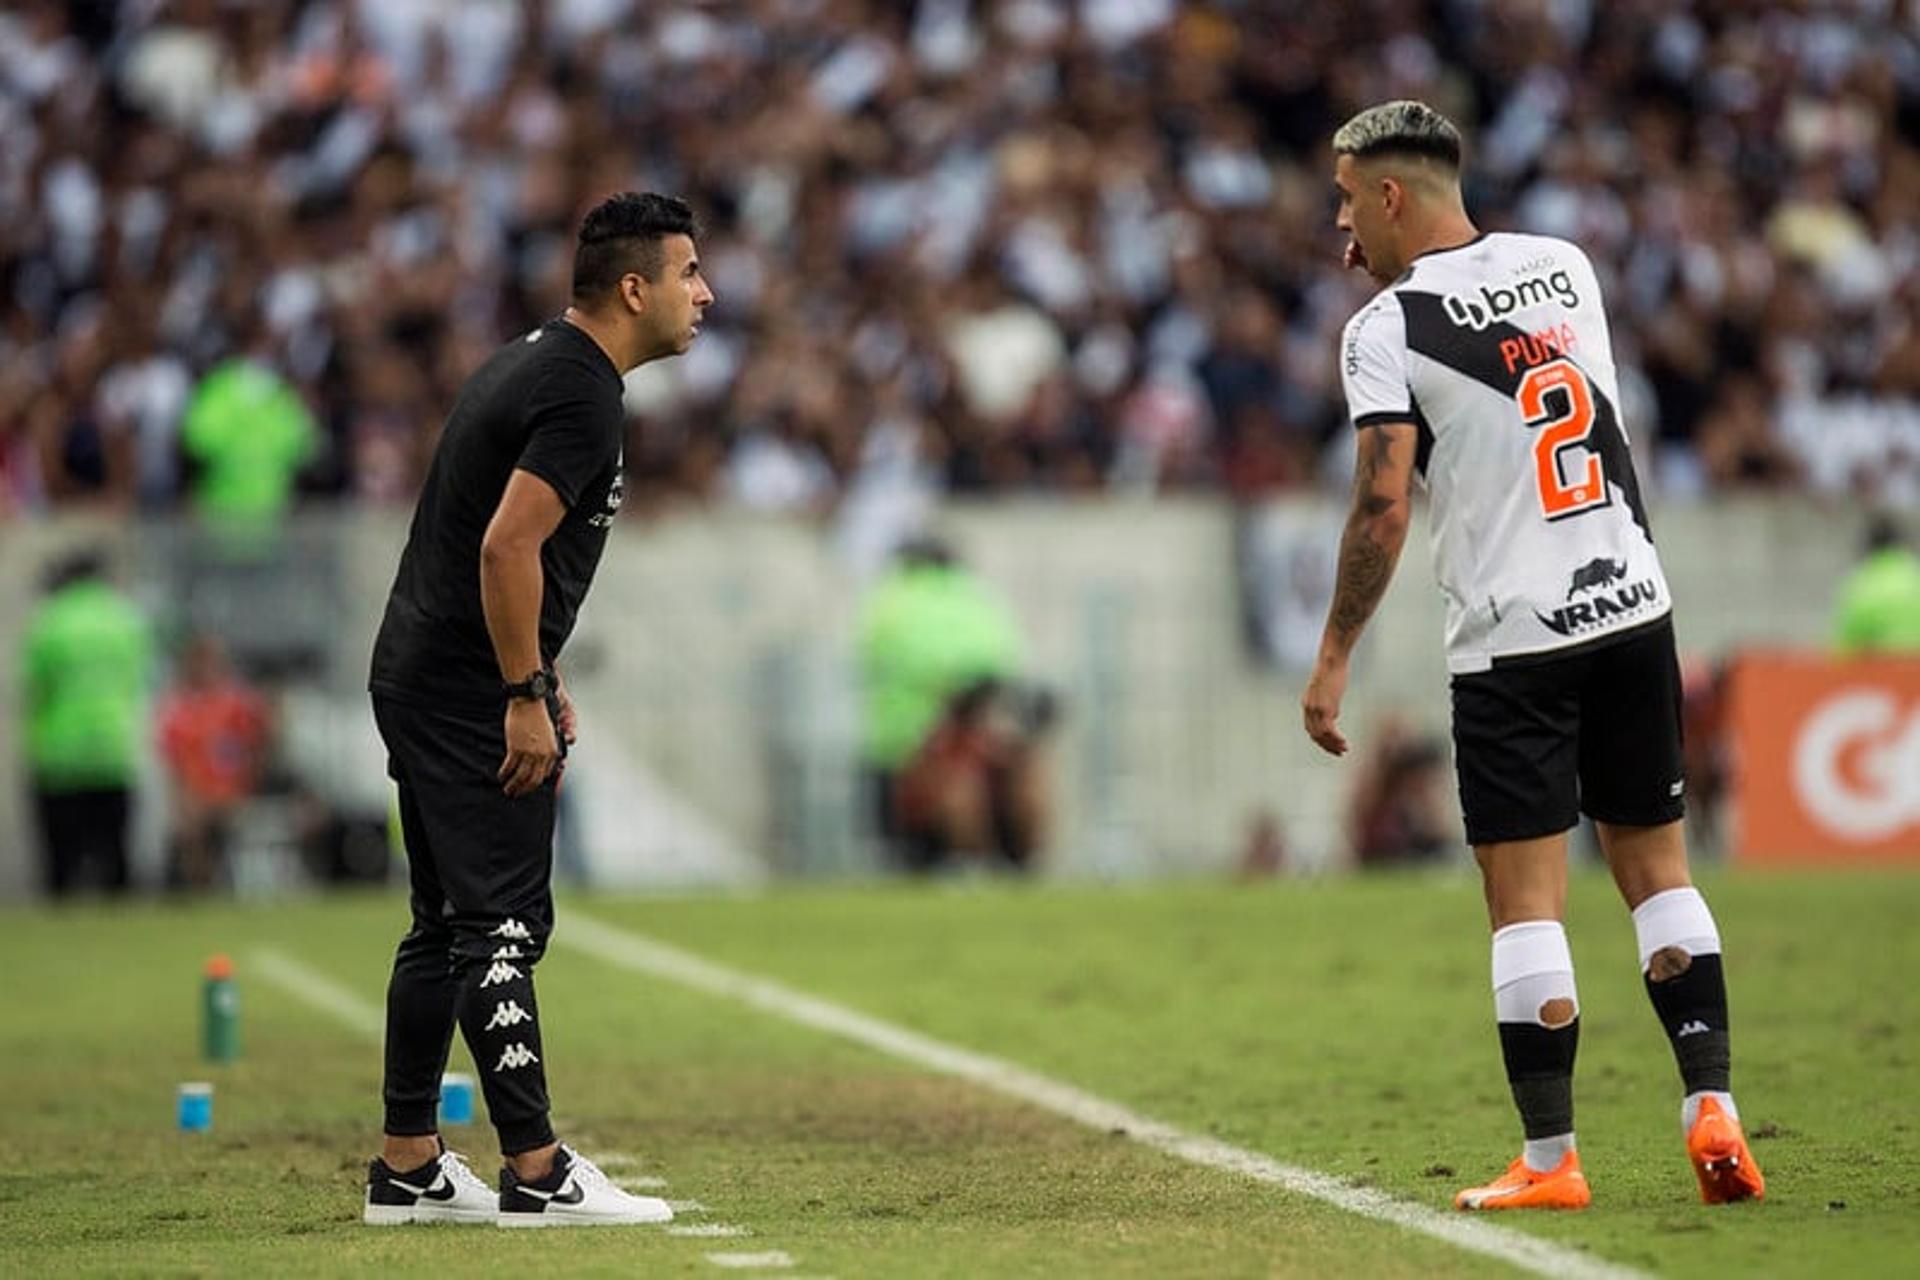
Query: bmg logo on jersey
(1490, 304)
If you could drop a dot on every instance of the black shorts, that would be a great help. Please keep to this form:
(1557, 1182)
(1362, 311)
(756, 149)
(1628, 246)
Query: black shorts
(1538, 741)
(475, 854)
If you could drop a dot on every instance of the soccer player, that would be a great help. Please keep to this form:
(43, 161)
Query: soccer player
(1484, 368)
(525, 483)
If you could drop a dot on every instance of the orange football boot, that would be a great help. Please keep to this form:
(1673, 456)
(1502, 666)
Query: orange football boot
(1721, 1160)
(1565, 1187)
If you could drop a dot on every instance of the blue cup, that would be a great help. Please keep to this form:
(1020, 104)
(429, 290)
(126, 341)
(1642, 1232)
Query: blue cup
(196, 1107)
(456, 1098)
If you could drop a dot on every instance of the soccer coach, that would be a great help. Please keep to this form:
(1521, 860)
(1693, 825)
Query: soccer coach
(525, 484)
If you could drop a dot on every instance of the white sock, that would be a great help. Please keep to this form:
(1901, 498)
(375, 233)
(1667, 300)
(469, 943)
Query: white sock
(1533, 965)
(1543, 1155)
(1681, 918)
(1690, 1108)
(1675, 918)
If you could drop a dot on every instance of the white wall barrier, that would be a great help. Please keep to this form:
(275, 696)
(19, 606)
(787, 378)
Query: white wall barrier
(713, 661)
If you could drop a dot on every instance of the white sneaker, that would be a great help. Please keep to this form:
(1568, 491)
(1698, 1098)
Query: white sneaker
(445, 1190)
(574, 1194)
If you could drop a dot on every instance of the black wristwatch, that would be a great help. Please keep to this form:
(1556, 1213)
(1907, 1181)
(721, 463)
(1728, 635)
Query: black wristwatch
(534, 688)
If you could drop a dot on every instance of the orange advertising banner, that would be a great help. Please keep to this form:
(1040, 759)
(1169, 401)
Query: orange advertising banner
(1826, 759)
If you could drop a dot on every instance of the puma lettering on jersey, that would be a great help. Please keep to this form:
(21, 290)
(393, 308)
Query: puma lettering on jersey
(1498, 353)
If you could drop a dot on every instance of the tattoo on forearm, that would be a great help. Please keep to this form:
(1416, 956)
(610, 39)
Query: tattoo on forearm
(1366, 562)
(1365, 569)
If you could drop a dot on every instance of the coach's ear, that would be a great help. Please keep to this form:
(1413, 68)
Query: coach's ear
(633, 292)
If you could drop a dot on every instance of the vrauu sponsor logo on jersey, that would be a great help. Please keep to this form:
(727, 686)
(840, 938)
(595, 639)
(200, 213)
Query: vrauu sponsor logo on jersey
(1602, 605)
(1493, 303)
(1595, 574)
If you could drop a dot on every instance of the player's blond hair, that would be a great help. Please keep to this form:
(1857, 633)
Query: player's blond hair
(1406, 128)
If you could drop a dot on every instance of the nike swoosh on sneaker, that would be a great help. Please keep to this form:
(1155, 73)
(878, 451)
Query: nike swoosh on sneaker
(441, 1189)
(569, 1193)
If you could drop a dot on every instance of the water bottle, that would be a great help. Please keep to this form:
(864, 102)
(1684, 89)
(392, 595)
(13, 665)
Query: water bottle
(220, 1012)
(456, 1098)
(196, 1107)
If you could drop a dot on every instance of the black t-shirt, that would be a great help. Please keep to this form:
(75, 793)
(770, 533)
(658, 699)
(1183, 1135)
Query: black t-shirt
(548, 403)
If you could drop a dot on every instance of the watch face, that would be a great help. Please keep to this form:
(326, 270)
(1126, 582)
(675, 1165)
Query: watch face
(537, 685)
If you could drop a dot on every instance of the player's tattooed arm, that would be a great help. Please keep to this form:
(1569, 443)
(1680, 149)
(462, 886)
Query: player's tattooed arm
(1376, 529)
(1369, 549)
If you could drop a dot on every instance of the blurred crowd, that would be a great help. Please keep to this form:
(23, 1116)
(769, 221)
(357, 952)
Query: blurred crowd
(958, 245)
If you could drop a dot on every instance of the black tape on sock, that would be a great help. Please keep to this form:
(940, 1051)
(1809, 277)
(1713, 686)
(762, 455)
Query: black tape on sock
(1540, 1072)
(1692, 1006)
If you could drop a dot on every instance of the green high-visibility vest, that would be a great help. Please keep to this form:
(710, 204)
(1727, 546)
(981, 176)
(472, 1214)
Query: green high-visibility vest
(250, 432)
(1879, 609)
(925, 633)
(88, 658)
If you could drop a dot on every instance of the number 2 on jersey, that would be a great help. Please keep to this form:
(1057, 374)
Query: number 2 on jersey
(1563, 430)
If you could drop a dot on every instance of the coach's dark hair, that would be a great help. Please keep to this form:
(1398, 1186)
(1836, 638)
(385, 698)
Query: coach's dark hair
(1400, 128)
(622, 234)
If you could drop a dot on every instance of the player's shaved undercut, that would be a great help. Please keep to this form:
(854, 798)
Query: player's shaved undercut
(1405, 129)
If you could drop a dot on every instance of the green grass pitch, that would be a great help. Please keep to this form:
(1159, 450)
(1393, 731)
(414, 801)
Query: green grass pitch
(1343, 1025)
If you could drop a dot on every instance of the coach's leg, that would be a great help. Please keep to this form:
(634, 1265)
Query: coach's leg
(503, 918)
(421, 999)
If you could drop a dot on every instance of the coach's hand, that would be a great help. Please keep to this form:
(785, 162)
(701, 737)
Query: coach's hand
(569, 722)
(1321, 706)
(532, 748)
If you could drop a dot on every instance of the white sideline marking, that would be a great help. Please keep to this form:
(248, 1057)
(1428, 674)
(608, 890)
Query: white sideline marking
(703, 1229)
(771, 1260)
(320, 991)
(644, 955)
(642, 1183)
(619, 1160)
(686, 1206)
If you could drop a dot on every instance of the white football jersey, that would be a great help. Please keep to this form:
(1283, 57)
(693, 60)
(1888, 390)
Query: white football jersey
(1498, 352)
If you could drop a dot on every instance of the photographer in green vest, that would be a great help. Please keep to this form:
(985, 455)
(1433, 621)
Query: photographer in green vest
(87, 661)
(1879, 601)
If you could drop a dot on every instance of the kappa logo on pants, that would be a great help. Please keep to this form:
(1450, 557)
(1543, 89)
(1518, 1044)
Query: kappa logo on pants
(513, 931)
(508, 952)
(516, 1055)
(501, 973)
(508, 1013)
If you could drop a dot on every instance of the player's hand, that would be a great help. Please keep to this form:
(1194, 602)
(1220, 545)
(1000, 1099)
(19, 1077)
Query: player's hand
(569, 721)
(532, 748)
(1320, 706)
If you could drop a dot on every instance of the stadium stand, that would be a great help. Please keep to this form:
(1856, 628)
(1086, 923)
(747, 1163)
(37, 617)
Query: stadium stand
(1025, 246)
